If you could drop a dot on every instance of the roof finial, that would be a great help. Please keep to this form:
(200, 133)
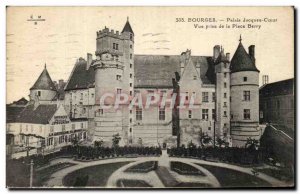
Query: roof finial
(240, 38)
(45, 66)
(127, 19)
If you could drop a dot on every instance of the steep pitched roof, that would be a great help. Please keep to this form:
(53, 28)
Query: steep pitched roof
(41, 115)
(241, 61)
(149, 71)
(127, 27)
(21, 102)
(80, 77)
(279, 88)
(158, 70)
(44, 82)
(12, 113)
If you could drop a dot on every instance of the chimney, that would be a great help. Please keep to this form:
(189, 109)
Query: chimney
(89, 60)
(228, 56)
(60, 83)
(55, 84)
(216, 51)
(252, 52)
(265, 79)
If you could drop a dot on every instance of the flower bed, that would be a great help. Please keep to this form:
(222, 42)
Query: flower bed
(185, 169)
(143, 167)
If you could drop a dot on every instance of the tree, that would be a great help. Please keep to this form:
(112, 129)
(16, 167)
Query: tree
(98, 143)
(191, 144)
(74, 141)
(252, 144)
(116, 140)
(221, 142)
(204, 139)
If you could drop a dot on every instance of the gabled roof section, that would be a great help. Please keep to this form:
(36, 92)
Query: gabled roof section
(81, 78)
(127, 27)
(41, 115)
(157, 71)
(241, 60)
(44, 82)
(284, 87)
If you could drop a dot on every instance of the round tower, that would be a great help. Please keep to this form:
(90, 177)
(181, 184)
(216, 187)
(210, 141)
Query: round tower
(43, 90)
(113, 76)
(244, 91)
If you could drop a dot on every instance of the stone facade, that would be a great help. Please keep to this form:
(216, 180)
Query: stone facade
(216, 81)
(277, 104)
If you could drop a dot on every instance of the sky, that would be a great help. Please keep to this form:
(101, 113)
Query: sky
(70, 32)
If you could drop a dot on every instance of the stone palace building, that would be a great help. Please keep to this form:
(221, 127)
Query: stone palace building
(225, 91)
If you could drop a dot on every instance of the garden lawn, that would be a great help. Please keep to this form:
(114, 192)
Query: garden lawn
(93, 176)
(233, 178)
(143, 167)
(42, 176)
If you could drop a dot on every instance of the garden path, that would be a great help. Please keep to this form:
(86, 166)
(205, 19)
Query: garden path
(56, 179)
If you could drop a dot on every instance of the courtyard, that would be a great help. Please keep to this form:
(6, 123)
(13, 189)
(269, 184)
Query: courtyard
(157, 172)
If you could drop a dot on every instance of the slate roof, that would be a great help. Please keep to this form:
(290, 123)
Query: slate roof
(149, 71)
(12, 112)
(22, 101)
(44, 82)
(41, 115)
(80, 77)
(279, 88)
(158, 70)
(241, 61)
(222, 58)
(127, 28)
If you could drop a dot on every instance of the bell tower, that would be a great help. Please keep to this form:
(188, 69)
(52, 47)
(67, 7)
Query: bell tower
(114, 70)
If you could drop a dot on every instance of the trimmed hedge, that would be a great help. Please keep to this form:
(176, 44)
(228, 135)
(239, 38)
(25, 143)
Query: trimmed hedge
(231, 154)
(87, 153)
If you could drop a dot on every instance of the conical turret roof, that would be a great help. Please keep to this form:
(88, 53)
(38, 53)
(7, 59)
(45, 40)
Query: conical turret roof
(44, 82)
(241, 60)
(127, 27)
(222, 58)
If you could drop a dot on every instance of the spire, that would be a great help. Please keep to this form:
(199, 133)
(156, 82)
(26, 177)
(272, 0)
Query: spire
(45, 66)
(127, 27)
(222, 57)
(240, 38)
(44, 82)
